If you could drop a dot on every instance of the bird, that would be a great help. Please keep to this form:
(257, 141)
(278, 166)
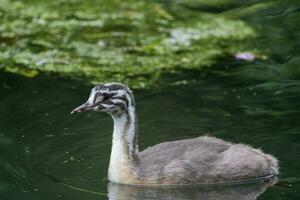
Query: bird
(200, 160)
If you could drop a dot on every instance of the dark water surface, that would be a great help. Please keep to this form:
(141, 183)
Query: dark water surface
(46, 153)
(190, 47)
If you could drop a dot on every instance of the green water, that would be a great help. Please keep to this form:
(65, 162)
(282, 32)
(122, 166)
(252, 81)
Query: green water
(179, 56)
(46, 153)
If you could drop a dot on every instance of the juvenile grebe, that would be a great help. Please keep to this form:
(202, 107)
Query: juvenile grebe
(199, 160)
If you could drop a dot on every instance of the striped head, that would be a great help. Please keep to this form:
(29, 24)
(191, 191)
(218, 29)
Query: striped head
(112, 98)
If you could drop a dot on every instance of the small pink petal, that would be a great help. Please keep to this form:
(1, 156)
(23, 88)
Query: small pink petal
(245, 56)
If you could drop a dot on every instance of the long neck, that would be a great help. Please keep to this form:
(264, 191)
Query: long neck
(124, 148)
(125, 135)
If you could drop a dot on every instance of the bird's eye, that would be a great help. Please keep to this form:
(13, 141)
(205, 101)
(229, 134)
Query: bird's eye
(106, 97)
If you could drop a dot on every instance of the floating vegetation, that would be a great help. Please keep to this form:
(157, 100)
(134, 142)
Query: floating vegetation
(129, 41)
(121, 41)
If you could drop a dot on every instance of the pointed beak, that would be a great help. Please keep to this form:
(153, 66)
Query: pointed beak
(83, 108)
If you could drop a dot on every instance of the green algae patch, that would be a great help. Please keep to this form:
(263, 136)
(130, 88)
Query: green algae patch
(136, 42)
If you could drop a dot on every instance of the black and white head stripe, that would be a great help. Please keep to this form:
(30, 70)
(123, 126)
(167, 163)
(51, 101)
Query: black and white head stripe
(117, 100)
(115, 94)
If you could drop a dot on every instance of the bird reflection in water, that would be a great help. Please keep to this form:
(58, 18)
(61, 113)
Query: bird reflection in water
(245, 191)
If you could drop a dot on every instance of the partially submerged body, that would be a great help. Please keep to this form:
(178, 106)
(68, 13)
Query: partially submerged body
(202, 160)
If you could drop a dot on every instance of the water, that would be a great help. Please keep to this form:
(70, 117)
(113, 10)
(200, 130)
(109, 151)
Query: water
(228, 69)
(46, 153)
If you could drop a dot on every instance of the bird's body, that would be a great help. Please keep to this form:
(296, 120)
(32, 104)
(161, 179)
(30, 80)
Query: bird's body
(204, 160)
(201, 160)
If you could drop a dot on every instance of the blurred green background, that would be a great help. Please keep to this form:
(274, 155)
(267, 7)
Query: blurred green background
(228, 68)
(150, 43)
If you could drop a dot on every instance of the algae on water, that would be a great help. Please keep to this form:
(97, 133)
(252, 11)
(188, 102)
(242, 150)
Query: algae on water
(136, 42)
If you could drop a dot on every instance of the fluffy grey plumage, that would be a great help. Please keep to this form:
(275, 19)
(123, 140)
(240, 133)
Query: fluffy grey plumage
(191, 161)
(204, 160)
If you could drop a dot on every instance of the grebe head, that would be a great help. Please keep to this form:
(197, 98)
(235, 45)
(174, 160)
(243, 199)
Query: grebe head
(112, 98)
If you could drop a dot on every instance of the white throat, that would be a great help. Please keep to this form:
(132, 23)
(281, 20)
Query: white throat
(124, 144)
